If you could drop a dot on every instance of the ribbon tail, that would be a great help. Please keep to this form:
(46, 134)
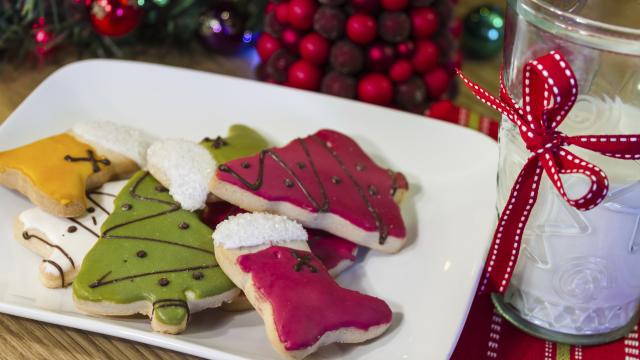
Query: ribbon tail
(484, 96)
(507, 238)
(626, 147)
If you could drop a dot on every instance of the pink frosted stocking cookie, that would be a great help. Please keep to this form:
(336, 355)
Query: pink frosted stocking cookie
(324, 181)
(335, 253)
(303, 308)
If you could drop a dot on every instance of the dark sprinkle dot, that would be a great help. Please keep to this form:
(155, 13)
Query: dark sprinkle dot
(183, 225)
(163, 282)
(301, 165)
(288, 183)
(336, 180)
(106, 161)
(224, 168)
(126, 207)
(25, 235)
(360, 166)
(68, 158)
(245, 165)
(72, 229)
(160, 188)
(141, 254)
(91, 209)
(125, 260)
(198, 275)
(372, 190)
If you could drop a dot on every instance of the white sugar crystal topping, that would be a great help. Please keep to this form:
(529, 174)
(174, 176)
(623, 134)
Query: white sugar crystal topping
(257, 229)
(186, 167)
(130, 142)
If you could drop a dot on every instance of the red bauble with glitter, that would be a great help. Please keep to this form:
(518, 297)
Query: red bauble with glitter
(114, 17)
(375, 88)
(314, 48)
(361, 28)
(397, 53)
(304, 75)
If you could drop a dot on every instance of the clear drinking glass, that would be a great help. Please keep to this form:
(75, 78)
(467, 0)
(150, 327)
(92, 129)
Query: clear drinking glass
(578, 275)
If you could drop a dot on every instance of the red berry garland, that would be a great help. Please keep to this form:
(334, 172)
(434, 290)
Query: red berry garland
(396, 53)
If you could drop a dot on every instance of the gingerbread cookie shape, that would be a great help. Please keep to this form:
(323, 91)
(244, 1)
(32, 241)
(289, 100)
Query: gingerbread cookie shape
(324, 181)
(153, 258)
(302, 307)
(55, 172)
(63, 242)
(186, 168)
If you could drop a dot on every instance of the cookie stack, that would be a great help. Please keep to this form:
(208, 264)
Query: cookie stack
(227, 222)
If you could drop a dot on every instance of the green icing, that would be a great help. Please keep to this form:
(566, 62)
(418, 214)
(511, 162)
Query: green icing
(146, 219)
(242, 141)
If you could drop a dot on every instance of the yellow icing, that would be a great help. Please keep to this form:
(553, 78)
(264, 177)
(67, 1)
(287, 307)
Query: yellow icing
(43, 162)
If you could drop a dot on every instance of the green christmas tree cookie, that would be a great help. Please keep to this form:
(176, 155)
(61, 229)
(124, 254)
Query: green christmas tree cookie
(241, 141)
(153, 258)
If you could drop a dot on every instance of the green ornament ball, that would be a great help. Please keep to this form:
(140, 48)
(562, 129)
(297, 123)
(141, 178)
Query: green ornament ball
(483, 32)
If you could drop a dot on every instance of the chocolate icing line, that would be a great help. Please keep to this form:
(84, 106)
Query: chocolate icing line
(101, 282)
(173, 206)
(58, 267)
(95, 202)
(383, 229)
(27, 236)
(91, 157)
(258, 183)
(84, 227)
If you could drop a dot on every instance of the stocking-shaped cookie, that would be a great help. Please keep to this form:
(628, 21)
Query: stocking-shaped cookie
(186, 168)
(63, 242)
(152, 258)
(303, 308)
(55, 172)
(325, 181)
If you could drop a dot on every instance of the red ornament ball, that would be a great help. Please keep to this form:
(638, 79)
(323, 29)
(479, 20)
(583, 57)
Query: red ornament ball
(346, 57)
(368, 6)
(426, 56)
(314, 48)
(114, 17)
(380, 57)
(394, 5)
(405, 49)
(329, 22)
(282, 13)
(290, 39)
(401, 70)
(338, 84)
(437, 81)
(424, 22)
(304, 75)
(361, 28)
(301, 13)
(375, 88)
(394, 27)
(266, 46)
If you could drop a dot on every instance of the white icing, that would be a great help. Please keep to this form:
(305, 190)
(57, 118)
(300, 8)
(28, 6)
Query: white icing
(253, 229)
(130, 142)
(78, 243)
(185, 168)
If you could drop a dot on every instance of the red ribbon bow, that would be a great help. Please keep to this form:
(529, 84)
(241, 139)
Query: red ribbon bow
(549, 90)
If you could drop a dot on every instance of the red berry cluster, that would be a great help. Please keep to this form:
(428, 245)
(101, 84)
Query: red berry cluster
(387, 52)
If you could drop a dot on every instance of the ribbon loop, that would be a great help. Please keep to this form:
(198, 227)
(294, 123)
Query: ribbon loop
(549, 91)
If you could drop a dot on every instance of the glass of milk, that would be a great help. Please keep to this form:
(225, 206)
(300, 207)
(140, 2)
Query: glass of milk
(577, 279)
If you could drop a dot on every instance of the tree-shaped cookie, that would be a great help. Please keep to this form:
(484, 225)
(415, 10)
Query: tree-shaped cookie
(63, 242)
(325, 181)
(55, 172)
(186, 168)
(301, 305)
(152, 258)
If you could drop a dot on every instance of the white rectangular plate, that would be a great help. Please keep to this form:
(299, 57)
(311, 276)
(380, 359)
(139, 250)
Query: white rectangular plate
(449, 212)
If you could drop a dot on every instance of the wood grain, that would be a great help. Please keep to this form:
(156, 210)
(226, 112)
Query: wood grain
(27, 339)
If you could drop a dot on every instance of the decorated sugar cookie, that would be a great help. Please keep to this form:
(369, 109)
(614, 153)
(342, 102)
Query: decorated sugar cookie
(325, 181)
(301, 305)
(153, 258)
(55, 172)
(63, 242)
(335, 253)
(186, 168)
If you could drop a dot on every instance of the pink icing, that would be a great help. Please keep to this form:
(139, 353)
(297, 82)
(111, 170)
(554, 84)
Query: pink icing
(344, 198)
(331, 249)
(308, 304)
(218, 211)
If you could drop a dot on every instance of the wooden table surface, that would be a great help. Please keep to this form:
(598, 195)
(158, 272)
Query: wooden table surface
(23, 338)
